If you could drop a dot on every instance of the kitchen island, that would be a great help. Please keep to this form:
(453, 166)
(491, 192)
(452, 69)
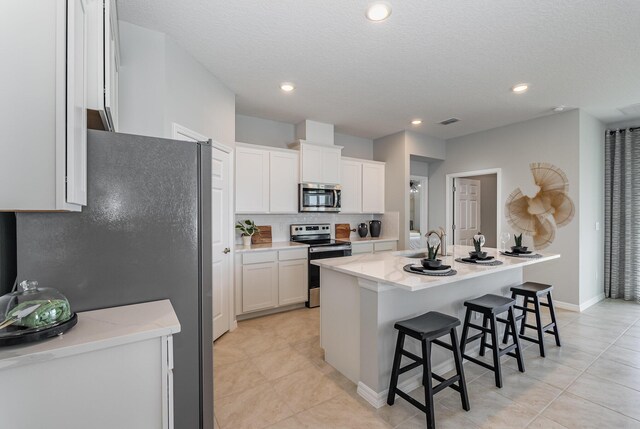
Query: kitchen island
(363, 296)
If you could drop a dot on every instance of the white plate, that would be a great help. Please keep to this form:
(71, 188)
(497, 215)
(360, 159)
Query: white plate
(433, 271)
(487, 261)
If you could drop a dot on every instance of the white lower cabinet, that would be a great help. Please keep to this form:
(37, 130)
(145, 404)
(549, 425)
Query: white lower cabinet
(272, 279)
(291, 290)
(259, 286)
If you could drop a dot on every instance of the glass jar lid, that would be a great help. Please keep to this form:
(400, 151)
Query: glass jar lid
(32, 308)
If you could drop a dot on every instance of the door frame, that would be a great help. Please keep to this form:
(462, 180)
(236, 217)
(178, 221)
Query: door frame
(424, 200)
(449, 199)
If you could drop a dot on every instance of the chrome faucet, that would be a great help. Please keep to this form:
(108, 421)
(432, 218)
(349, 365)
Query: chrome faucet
(442, 235)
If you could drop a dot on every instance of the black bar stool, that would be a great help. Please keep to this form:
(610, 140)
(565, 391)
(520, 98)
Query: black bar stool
(532, 292)
(490, 306)
(427, 328)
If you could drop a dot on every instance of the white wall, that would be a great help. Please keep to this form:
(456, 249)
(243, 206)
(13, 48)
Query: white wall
(160, 83)
(266, 132)
(553, 139)
(629, 123)
(591, 208)
(418, 168)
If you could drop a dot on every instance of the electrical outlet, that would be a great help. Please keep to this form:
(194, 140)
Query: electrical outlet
(476, 315)
(597, 226)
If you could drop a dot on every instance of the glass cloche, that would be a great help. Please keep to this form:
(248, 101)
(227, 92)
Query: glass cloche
(32, 309)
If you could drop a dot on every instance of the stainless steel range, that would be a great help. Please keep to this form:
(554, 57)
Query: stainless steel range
(321, 246)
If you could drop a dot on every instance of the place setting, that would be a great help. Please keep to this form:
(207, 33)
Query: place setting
(431, 265)
(478, 256)
(517, 251)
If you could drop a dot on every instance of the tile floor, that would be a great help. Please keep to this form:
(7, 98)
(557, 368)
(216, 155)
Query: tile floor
(270, 373)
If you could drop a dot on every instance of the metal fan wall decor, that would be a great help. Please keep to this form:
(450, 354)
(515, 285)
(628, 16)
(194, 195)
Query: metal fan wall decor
(551, 208)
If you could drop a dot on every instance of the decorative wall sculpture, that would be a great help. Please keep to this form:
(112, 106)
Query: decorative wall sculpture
(551, 208)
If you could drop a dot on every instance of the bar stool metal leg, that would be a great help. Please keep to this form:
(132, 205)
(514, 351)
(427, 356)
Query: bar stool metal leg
(395, 371)
(427, 381)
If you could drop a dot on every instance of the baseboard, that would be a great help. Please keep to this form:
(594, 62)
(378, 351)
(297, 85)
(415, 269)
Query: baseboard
(579, 308)
(378, 400)
(234, 325)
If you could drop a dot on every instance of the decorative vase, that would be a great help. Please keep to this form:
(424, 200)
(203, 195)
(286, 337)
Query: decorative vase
(363, 230)
(246, 240)
(375, 226)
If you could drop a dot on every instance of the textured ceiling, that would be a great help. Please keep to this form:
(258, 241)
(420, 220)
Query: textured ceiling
(431, 60)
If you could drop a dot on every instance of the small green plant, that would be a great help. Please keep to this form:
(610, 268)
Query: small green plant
(477, 243)
(518, 239)
(247, 227)
(432, 251)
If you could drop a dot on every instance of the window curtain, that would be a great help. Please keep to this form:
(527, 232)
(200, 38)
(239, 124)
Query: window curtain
(622, 214)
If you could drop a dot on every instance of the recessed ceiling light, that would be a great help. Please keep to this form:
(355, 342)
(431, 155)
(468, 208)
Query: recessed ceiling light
(561, 108)
(416, 122)
(520, 88)
(378, 11)
(287, 86)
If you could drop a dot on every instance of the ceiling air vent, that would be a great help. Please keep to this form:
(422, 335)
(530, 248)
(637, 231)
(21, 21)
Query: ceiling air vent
(449, 121)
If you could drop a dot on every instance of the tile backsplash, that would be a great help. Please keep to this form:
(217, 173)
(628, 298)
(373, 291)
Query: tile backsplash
(280, 223)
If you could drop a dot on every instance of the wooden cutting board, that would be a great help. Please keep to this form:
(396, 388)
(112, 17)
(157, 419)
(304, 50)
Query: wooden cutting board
(264, 236)
(343, 231)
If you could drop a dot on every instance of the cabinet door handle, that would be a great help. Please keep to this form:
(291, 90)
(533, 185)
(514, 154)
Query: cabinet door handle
(226, 250)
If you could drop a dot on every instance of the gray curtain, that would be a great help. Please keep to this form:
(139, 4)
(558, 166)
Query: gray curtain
(622, 214)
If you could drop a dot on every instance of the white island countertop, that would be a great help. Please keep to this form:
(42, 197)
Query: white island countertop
(387, 267)
(96, 330)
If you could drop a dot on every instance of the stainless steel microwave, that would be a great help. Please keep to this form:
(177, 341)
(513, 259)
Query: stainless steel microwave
(316, 197)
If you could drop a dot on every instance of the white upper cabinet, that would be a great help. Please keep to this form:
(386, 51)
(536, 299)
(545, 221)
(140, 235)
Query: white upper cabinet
(283, 182)
(43, 106)
(266, 180)
(252, 180)
(362, 186)
(319, 163)
(104, 64)
(351, 186)
(373, 187)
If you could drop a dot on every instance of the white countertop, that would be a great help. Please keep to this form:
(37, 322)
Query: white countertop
(278, 245)
(98, 329)
(387, 267)
(356, 240)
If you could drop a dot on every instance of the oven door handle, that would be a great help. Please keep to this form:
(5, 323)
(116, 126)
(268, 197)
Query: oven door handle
(328, 249)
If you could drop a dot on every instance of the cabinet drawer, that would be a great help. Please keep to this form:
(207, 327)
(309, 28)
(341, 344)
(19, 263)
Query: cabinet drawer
(361, 248)
(290, 255)
(385, 246)
(259, 257)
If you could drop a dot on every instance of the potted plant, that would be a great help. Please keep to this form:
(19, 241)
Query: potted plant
(518, 248)
(433, 246)
(478, 242)
(247, 228)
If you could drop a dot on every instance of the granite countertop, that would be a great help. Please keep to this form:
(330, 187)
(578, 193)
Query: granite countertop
(96, 330)
(387, 267)
(278, 245)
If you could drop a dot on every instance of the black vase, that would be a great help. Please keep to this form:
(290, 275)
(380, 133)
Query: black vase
(363, 230)
(375, 226)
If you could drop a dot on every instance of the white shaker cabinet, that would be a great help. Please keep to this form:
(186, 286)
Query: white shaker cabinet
(103, 65)
(292, 284)
(351, 186)
(373, 187)
(43, 105)
(283, 182)
(259, 281)
(252, 180)
(319, 163)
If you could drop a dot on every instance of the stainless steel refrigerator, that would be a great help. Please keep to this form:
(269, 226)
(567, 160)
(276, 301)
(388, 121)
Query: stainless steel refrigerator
(144, 235)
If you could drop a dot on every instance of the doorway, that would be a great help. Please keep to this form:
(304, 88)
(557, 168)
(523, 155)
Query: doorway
(473, 205)
(418, 211)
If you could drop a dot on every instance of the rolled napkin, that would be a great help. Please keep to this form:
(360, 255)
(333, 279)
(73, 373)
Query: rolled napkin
(50, 312)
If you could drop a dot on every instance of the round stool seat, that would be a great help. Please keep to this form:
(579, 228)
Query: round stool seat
(495, 304)
(531, 289)
(428, 325)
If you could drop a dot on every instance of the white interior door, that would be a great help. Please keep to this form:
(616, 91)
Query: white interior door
(221, 182)
(467, 210)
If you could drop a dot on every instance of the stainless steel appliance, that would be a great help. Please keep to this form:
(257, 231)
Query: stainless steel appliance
(144, 235)
(316, 197)
(321, 246)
